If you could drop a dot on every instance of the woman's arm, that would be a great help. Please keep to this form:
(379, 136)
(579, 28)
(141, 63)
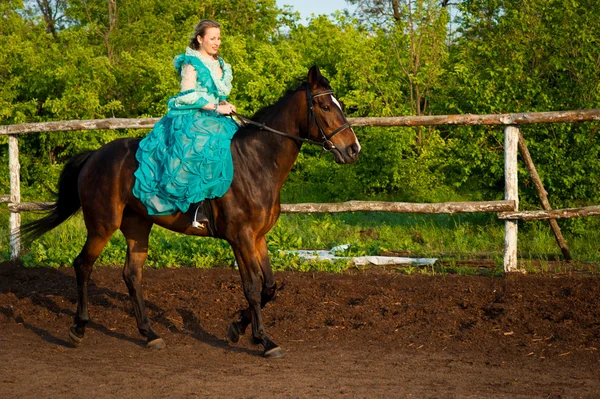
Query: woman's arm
(189, 76)
(199, 96)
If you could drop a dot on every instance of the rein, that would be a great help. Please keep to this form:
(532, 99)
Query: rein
(262, 126)
(326, 144)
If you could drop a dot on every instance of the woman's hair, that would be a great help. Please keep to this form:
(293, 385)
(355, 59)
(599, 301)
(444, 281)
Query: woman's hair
(200, 30)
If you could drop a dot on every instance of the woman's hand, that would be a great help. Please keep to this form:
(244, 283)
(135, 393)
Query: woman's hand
(225, 108)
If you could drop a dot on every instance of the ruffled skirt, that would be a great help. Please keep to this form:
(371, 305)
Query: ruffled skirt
(185, 159)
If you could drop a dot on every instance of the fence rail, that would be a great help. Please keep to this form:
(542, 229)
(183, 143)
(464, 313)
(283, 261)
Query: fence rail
(507, 209)
(524, 118)
(351, 206)
(566, 213)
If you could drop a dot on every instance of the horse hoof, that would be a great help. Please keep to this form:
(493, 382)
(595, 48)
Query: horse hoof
(233, 333)
(274, 353)
(156, 344)
(74, 338)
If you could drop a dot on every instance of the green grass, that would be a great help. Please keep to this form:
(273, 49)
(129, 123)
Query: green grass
(450, 238)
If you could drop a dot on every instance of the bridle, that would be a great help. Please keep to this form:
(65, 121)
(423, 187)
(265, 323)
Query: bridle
(326, 144)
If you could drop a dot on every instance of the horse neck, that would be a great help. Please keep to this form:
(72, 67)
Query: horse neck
(267, 156)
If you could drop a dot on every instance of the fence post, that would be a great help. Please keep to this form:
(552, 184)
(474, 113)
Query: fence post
(511, 192)
(537, 182)
(15, 195)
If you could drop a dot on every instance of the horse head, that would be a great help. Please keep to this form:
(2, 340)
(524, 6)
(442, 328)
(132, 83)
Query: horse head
(326, 120)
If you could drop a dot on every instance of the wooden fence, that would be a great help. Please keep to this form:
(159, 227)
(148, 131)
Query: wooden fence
(507, 210)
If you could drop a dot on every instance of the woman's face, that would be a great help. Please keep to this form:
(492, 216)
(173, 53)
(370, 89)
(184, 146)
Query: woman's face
(211, 41)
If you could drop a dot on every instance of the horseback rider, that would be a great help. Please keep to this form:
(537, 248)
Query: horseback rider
(186, 158)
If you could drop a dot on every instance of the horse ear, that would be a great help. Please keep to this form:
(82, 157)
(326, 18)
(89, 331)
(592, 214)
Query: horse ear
(314, 75)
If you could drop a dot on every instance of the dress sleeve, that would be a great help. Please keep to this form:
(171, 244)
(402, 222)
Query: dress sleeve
(192, 92)
(188, 94)
(188, 78)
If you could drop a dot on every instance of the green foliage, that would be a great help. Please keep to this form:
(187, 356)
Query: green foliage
(506, 56)
(449, 238)
(513, 56)
(97, 66)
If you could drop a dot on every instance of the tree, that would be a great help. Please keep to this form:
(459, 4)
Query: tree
(52, 11)
(540, 55)
(384, 11)
(416, 32)
(509, 56)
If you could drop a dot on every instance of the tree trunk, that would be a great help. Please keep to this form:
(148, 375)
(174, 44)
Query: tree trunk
(49, 16)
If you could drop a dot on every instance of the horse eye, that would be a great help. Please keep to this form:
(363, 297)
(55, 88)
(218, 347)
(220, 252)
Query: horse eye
(326, 108)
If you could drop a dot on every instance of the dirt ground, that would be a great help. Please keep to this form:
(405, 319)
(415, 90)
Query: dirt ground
(363, 334)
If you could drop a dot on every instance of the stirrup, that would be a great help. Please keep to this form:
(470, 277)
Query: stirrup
(195, 223)
(198, 225)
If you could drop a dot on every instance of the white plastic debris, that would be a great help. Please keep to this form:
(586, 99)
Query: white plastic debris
(360, 260)
(393, 260)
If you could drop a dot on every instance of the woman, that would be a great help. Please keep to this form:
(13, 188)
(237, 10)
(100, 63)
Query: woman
(186, 157)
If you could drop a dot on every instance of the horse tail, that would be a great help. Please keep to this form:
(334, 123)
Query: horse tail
(67, 200)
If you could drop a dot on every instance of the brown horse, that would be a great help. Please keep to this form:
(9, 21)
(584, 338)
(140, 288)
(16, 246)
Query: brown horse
(100, 183)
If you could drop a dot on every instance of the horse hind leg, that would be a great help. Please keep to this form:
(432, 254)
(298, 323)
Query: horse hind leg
(136, 230)
(83, 265)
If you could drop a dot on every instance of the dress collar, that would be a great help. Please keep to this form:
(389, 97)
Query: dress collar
(196, 53)
(223, 83)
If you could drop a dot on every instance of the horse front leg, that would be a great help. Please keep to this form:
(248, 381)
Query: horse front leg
(238, 328)
(259, 288)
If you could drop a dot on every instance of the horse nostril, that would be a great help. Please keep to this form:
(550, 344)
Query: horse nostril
(354, 149)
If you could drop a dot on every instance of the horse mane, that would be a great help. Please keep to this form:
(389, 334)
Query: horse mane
(268, 110)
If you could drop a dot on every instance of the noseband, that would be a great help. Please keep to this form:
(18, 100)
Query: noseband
(312, 117)
(326, 144)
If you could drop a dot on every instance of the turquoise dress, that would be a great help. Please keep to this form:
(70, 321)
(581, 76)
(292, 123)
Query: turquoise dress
(186, 158)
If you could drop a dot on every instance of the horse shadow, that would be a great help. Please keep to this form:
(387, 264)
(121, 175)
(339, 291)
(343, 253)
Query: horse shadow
(45, 287)
(193, 325)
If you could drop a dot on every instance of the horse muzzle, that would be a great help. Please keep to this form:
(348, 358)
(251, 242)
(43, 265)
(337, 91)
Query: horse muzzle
(346, 155)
